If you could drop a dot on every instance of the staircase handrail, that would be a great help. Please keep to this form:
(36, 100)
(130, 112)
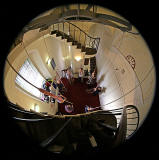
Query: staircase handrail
(22, 111)
(50, 139)
(118, 111)
(138, 119)
(31, 120)
(95, 42)
(83, 31)
(16, 108)
(120, 135)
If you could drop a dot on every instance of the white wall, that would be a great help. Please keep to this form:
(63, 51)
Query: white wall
(17, 95)
(38, 53)
(123, 84)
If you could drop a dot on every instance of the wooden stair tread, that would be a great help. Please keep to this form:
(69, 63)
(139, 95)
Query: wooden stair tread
(79, 45)
(90, 51)
(59, 34)
(74, 43)
(70, 39)
(53, 32)
(87, 50)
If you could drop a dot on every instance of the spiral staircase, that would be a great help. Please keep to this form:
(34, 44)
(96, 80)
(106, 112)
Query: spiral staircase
(77, 37)
(83, 133)
(66, 134)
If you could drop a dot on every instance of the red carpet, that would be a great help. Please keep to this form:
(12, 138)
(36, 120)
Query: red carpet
(76, 93)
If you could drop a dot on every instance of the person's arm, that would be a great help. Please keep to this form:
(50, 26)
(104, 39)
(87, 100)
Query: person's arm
(63, 96)
(62, 100)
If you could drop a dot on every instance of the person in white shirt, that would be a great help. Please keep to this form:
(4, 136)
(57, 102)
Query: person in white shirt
(81, 74)
(69, 76)
(64, 73)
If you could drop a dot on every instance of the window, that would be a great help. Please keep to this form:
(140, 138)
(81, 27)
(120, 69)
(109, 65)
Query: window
(31, 74)
(53, 63)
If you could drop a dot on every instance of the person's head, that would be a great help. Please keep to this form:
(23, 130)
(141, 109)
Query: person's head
(69, 107)
(58, 81)
(94, 89)
(93, 74)
(99, 88)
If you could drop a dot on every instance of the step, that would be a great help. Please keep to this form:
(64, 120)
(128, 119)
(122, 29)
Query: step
(53, 32)
(74, 43)
(79, 45)
(65, 36)
(90, 51)
(59, 34)
(83, 49)
(70, 40)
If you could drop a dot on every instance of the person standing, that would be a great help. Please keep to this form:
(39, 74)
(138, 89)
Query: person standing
(71, 75)
(91, 80)
(60, 86)
(64, 73)
(81, 75)
(68, 75)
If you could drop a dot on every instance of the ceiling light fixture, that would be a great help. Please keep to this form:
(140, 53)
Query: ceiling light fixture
(36, 108)
(48, 61)
(78, 58)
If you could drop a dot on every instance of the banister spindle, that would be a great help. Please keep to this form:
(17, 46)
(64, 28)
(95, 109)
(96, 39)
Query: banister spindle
(69, 28)
(74, 33)
(89, 41)
(98, 44)
(85, 40)
(79, 36)
(93, 43)
(63, 31)
(63, 26)
(93, 10)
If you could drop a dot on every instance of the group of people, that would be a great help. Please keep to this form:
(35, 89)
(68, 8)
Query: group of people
(91, 83)
(91, 79)
(68, 73)
(50, 86)
(93, 88)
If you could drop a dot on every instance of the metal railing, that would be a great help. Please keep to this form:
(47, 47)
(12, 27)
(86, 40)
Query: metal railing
(77, 34)
(132, 118)
(127, 124)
